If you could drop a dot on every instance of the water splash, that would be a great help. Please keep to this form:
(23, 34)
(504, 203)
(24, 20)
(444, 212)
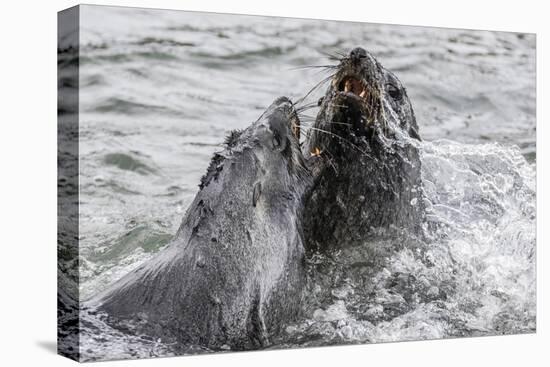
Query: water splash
(472, 274)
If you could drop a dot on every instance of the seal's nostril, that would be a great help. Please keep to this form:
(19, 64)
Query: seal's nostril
(358, 53)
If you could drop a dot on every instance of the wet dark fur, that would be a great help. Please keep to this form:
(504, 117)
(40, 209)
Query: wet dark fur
(234, 274)
(368, 174)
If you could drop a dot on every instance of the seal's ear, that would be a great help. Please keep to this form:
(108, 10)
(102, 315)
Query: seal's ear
(256, 193)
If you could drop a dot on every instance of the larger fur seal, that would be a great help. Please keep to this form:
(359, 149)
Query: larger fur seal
(365, 160)
(233, 276)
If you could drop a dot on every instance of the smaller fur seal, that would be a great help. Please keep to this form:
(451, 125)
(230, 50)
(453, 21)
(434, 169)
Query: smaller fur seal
(364, 157)
(233, 275)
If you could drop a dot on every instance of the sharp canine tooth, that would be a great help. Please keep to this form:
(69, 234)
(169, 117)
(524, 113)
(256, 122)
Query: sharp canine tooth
(363, 93)
(347, 86)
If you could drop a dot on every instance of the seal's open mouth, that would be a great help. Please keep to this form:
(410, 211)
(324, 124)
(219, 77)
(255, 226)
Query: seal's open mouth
(356, 101)
(295, 124)
(285, 107)
(354, 85)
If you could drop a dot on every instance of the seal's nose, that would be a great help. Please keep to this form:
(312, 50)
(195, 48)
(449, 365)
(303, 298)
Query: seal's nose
(357, 54)
(281, 100)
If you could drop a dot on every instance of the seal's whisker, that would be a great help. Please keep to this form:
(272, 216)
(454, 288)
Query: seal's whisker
(307, 117)
(323, 81)
(306, 125)
(324, 67)
(336, 56)
(330, 159)
(307, 122)
(307, 107)
(338, 137)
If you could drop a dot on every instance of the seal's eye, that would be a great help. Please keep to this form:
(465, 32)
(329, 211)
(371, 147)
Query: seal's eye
(394, 91)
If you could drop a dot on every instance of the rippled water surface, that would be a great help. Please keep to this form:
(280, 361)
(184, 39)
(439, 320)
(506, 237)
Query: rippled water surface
(160, 89)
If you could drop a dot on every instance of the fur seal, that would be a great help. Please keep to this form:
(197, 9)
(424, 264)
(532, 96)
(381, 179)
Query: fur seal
(234, 274)
(363, 156)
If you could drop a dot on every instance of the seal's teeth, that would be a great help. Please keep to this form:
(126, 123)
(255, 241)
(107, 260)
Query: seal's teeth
(351, 84)
(348, 86)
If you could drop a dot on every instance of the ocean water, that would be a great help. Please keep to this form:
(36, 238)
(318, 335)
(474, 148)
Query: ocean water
(161, 89)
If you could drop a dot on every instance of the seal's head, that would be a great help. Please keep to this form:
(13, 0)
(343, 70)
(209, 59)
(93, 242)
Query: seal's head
(363, 156)
(268, 153)
(365, 99)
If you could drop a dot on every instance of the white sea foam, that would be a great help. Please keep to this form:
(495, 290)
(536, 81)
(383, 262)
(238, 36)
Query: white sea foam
(473, 274)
